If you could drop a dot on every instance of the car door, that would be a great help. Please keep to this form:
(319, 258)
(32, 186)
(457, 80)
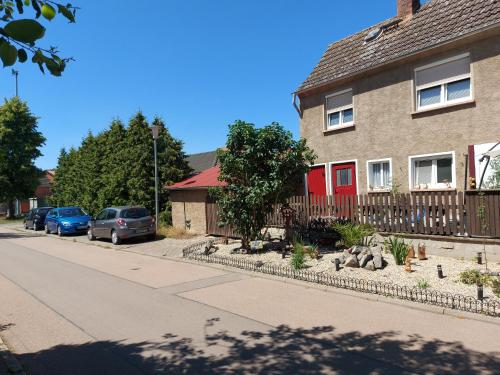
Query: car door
(99, 223)
(110, 222)
(50, 219)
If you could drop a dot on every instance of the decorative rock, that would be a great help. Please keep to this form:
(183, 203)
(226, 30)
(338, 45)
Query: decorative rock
(356, 249)
(378, 262)
(370, 266)
(352, 261)
(365, 259)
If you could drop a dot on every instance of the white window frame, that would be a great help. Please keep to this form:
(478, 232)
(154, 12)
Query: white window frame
(433, 185)
(341, 110)
(369, 164)
(443, 84)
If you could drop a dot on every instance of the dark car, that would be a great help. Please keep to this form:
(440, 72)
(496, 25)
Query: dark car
(35, 219)
(119, 223)
(66, 220)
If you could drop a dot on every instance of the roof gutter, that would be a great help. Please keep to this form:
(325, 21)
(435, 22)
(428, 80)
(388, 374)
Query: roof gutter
(487, 28)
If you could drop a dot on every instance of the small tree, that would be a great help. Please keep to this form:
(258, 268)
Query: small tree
(261, 167)
(493, 181)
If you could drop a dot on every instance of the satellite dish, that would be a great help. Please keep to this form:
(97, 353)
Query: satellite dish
(373, 34)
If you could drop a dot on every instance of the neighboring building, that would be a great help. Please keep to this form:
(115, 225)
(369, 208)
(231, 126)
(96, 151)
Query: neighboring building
(42, 192)
(408, 102)
(189, 199)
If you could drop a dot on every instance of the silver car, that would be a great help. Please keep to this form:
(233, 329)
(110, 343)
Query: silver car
(119, 223)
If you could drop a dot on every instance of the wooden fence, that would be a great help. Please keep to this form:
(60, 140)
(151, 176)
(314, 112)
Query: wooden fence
(432, 213)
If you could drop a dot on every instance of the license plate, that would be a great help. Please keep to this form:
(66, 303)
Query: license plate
(141, 230)
(82, 227)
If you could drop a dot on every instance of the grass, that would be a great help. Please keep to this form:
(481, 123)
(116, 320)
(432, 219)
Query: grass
(298, 257)
(174, 232)
(399, 249)
(472, 277)
(5, 221)
(353, 234)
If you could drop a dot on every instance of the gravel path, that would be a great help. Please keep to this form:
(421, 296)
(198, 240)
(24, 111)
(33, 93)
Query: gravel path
(425, 270)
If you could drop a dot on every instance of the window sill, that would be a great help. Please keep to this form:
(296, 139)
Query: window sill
(339, 127)
(377, 191)
(433, 190)
(442, 107)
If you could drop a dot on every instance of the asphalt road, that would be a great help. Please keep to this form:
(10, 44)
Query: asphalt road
(74, 308)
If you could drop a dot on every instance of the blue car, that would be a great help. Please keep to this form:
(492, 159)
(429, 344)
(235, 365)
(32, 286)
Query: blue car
(67, 220)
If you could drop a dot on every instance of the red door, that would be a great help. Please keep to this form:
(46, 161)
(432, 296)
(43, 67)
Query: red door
(344, 179)
(316, 181)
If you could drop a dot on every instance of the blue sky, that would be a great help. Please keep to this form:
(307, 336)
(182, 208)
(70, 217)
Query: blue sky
(198, 64)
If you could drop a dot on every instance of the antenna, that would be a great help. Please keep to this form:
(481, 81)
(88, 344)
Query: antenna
(16, 74)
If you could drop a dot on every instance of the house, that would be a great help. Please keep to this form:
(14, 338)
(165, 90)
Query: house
(411, 103)
(202, 161)
(189, 200)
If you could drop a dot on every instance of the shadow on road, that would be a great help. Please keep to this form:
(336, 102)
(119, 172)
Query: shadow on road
(12, 235)
(282, 350)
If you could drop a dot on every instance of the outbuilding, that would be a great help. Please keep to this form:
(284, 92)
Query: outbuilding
(189, 200)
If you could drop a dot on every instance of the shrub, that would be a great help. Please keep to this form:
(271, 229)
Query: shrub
(495, 285)
(423, 284)
(312, 251)
(398, 248)
(298, 257)
(353, 234)
(471, 277)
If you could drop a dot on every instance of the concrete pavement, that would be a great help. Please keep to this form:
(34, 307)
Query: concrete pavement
(74, 308)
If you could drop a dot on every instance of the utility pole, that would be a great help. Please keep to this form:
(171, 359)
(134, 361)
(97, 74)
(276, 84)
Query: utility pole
(16, 74)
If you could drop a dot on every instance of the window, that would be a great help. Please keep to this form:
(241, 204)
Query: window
(433, 171)
(134, 213)
(339, 110)
(111, 214)
(379, 174)
(102, 215)
(344, 177)
(444, 82)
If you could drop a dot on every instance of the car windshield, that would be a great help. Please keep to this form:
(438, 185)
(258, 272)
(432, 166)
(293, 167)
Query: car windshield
(134, 213)
(68, 212)
(43, 211)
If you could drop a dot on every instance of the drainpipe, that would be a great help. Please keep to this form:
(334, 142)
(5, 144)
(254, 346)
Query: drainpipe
(294, 102)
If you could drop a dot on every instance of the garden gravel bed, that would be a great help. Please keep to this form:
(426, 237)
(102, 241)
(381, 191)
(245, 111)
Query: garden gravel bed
(424, 271)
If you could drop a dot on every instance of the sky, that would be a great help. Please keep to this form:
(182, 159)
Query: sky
(198, 64)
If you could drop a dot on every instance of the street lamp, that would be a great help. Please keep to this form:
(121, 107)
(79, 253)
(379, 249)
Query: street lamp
(155, 130)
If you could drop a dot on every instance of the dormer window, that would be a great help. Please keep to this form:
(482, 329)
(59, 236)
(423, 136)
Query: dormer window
(443, 83)
(339, 110)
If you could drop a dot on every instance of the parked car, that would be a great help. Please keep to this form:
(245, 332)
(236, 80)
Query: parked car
(66, 220)
(35, 219)
(119, 223)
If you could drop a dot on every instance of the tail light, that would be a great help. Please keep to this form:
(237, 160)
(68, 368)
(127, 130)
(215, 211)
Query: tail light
(120, 221)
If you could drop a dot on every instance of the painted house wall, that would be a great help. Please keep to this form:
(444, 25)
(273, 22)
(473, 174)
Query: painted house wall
(386, 128)
(189, 205)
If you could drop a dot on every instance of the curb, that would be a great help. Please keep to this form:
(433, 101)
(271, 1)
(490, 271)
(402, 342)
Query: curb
(13, 365)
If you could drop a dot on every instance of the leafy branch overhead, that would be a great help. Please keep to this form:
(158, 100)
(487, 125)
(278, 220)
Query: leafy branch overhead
(19, 37)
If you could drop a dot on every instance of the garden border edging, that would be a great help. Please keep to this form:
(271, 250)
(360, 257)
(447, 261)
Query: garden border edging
(449, 303)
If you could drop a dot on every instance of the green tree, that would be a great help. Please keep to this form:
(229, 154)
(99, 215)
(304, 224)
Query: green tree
(20, 143)
(493, 181)
(261, 167)
(20, 34)
(116, 167)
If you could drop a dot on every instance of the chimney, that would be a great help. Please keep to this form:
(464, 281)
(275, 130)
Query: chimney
(407, 8)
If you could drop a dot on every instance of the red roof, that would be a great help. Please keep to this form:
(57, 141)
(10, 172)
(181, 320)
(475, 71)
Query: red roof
(209, 177)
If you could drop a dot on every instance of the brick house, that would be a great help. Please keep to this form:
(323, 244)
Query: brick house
(412, 102)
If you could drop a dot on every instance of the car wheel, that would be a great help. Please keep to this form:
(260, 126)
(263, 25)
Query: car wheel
(114, 238)
(151, 237)
(59, 231)
(47, 230)
(90, 235)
